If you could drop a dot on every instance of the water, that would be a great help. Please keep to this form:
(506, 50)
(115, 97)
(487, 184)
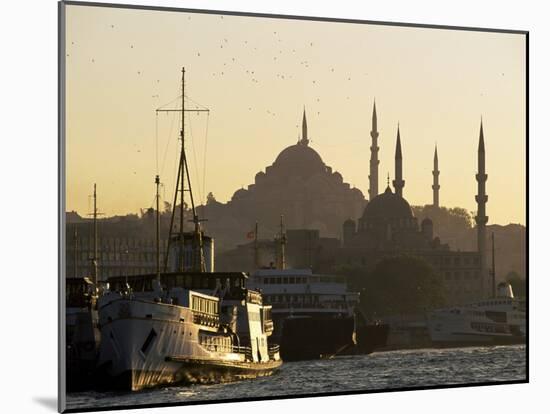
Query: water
(381, 370)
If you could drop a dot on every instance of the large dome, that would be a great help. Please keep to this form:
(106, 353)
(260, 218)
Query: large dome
(300, 159)
(388, 205)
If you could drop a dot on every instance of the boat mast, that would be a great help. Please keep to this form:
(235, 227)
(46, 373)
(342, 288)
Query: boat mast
(493, 271)
(94, 258)
(75, 251)
(183, 173)
(157, 182)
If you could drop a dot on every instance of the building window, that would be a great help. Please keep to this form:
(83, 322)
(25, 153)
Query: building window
(457, 275)
(448, 275)
(457, 261)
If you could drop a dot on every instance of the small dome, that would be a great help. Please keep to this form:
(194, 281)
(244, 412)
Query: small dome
(388, 205)
(240, 193)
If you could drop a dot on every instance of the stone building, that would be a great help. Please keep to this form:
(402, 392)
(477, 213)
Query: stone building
(387, 227)
(297, 185)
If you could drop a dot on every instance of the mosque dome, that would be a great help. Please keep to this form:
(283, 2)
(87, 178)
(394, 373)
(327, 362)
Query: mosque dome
(388, 205)
(299, 159)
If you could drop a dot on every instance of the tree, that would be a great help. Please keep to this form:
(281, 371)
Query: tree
(518, 284)
(210, 199)
(401, 284)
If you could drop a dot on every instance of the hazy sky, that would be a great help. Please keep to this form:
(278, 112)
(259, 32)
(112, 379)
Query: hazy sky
(256, 74)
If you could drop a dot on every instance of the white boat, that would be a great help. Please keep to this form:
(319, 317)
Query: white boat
(180, 333)
(188, 324)
(495, 321)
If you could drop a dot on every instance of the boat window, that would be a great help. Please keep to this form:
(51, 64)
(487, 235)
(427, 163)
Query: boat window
(278, 280)
(285, 280)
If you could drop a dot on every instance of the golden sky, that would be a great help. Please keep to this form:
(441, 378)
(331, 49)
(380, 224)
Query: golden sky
(256, 75)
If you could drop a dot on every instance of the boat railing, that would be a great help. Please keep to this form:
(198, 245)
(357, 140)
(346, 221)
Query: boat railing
(300, 305)
(206, 319)
(268, 326)
(245, 350)
(254, 297)
(273, 350)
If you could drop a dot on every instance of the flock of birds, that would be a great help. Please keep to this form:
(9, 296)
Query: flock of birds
(279, 54)
(252, 75)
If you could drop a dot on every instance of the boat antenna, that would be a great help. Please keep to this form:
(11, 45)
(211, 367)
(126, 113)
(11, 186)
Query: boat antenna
(493, 270)
(157, 182)
(183, 174)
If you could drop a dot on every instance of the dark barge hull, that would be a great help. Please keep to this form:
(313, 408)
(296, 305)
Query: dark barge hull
(305, 338)
(371, 338)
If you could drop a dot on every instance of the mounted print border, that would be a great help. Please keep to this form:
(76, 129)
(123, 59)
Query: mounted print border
(258, 207)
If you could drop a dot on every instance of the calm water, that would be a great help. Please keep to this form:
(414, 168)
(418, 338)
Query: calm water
(381, 370)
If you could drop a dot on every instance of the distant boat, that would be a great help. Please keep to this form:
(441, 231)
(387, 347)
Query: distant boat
(496, 321)
(82, 332)
(81, 320)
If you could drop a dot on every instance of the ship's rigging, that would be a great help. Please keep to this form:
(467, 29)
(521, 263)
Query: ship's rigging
(183, 178)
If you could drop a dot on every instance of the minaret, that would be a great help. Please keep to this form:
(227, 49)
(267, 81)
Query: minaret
(304, 140)
(435, 185)
(481, 199)
(374, 162)
(398, 183)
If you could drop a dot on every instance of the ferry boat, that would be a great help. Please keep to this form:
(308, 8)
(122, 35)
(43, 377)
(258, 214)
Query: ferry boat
(82, 332)
(189, 328)
(186, 325)
(496, 321)
(313, 314)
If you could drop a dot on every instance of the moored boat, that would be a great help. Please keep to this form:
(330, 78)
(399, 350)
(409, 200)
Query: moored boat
(192, 328)
(313, 314)
(186, 324)
(82, 332)
(496, 321)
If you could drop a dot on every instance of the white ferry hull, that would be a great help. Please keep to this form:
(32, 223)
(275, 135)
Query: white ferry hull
(455, 330)
(140, 340)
